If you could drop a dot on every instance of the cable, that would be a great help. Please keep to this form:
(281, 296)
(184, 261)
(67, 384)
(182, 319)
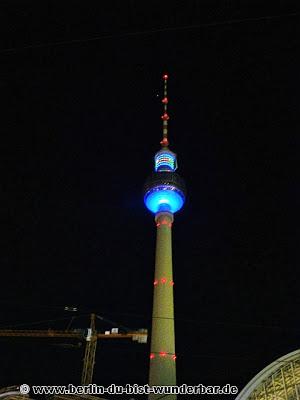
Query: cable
(8, 303)
(177, 320)
(127, 329)
(70, 323)
(211, 323)
(37, 322)
(149, 32)
(114, 323)
(235, 324)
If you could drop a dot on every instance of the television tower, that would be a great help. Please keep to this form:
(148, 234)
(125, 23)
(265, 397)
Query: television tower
(164, 194)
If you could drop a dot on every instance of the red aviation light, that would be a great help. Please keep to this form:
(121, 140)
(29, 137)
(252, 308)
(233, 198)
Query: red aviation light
(164, 142)
(165, 76)
(171, 283)
(165, 117)
(165, 100)
(152, 355)
(155, 283)
(174, 357)
(162, 354)
(164, 222)
(163, 280)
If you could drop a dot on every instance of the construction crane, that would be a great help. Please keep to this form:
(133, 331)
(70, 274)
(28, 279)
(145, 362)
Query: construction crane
(91, 337)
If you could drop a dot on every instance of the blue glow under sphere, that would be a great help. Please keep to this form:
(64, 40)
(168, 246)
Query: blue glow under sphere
(164, 191)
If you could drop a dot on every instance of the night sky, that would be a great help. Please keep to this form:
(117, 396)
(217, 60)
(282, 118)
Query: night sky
(81, 87)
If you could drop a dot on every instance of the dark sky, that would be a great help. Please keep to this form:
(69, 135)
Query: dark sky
(81, 88)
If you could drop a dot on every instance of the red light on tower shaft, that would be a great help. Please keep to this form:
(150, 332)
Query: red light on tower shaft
(152, 355)
(162, 354)
(165, 76)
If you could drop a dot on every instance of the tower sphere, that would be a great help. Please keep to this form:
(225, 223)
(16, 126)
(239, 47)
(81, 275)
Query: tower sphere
(164, 191)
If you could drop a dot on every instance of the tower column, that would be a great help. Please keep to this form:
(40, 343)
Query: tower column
(162, 357)
(164, 195)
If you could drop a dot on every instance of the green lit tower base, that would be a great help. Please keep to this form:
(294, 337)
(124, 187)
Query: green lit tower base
(164, 195)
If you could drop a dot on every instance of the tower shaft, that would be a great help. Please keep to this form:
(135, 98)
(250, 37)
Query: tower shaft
(162, 358)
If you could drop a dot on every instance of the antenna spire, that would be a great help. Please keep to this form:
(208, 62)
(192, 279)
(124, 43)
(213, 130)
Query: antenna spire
(165, 117)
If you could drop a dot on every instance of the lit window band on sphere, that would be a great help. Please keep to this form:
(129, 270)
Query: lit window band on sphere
(164, 191)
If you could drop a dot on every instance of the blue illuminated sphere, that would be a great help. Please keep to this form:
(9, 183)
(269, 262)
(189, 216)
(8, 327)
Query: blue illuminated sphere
(164, 191)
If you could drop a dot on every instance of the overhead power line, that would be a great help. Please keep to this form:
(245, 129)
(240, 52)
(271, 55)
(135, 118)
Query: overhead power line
(147, 32)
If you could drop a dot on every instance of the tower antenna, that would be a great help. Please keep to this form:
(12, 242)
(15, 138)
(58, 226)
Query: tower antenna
(165, 117)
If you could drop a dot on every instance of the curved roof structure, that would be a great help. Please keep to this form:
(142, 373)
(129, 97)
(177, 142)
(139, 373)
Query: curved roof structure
(12, 393)
(280, 380)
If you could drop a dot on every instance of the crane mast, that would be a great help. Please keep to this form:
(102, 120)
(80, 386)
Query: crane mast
(90, 354)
